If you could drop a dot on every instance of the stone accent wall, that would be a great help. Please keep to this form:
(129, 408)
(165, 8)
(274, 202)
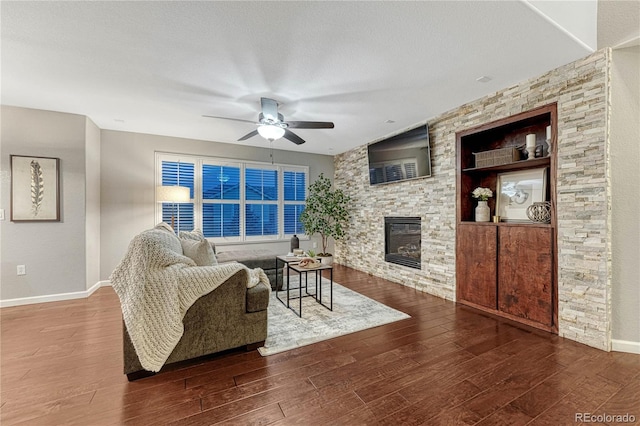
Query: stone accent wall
(581, 91)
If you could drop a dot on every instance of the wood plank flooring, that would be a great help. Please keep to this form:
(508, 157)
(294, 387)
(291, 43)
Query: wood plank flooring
(61, 364)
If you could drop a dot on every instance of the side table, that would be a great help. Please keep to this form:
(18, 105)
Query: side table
(292, 265)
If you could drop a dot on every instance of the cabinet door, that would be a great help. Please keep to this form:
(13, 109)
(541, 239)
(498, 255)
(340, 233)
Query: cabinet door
(476, 264)
(525, 279)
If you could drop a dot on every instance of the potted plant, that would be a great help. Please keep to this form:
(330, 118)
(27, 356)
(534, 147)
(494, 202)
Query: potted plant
(325, 213)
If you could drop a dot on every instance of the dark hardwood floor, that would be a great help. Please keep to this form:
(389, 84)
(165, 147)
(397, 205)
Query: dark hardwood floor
(62, 364)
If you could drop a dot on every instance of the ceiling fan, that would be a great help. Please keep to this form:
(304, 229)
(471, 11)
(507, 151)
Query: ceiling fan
(271, 124)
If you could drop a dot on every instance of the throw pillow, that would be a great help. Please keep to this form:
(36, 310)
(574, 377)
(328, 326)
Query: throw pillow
(196, 234)
(199, 251)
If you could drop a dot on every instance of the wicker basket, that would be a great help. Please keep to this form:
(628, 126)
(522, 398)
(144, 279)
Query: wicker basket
(496, 157)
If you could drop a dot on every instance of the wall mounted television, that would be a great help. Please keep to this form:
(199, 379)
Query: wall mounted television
(403, 156)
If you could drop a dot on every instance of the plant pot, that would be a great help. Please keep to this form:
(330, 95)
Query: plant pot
(326, 260)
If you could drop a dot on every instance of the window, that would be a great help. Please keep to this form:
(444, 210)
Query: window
(233, 200)
(295, 190)
(261, 201)
(178, 173)
(221, 200)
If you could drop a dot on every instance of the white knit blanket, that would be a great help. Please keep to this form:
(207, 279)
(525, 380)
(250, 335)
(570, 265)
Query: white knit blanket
(157, 285)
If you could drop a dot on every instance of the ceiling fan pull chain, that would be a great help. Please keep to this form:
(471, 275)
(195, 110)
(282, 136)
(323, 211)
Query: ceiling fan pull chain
(271, 150)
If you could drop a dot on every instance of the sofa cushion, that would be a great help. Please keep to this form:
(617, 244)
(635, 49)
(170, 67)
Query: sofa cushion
(251, 258)
(199, 251)
(258, 298)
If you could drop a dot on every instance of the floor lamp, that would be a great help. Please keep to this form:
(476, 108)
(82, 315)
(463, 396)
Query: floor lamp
(173, 194)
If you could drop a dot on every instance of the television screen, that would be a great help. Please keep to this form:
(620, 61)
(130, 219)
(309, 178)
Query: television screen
(400, 157)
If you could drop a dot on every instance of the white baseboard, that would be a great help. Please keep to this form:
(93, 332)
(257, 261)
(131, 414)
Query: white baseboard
(625, 346)
(53, 297)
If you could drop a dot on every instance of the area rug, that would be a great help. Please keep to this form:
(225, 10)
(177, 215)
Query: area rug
(351, 312)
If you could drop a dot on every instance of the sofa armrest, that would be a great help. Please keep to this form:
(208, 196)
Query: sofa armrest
(217, 321)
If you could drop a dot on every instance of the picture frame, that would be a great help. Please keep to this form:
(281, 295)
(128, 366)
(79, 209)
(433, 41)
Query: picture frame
(519, 190)
(35, 189)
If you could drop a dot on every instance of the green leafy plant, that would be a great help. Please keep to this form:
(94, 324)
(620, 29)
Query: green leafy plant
(311, 253)
(326, 212)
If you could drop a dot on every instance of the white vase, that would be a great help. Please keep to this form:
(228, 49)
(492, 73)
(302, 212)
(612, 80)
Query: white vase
(482, 212)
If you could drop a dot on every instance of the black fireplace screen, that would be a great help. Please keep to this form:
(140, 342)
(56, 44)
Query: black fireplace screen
(402, 241)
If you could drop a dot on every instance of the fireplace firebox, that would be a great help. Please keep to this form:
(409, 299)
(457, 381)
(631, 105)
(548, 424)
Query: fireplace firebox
(402, 241)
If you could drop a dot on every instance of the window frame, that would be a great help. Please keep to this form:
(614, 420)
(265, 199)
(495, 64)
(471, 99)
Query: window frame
(198, 200)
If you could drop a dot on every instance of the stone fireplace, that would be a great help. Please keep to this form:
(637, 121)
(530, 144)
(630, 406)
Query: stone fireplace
(581, 90)
(402, 241)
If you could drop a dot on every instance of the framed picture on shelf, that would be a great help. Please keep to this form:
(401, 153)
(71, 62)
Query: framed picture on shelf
(35, 192)
(517, 191)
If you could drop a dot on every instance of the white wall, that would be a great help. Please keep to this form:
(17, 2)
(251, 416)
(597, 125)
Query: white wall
(92, 207)
(128, 183)
(107, 196)
(625, 181)
(53, 252)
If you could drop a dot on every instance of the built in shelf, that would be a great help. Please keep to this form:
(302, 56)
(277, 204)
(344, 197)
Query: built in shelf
(516, 165)
(507, 268)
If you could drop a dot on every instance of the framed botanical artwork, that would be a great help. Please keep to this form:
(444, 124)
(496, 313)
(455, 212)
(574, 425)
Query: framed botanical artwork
(35, 189)
(517, 191)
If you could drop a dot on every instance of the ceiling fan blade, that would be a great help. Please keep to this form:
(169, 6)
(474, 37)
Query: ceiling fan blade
(288, 134)
(310, 124)
(269, 109)
(248, 135)
(232, 119)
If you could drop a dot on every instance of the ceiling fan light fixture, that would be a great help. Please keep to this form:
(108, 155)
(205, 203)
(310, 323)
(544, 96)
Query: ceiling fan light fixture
(270, 132)
(271, 124)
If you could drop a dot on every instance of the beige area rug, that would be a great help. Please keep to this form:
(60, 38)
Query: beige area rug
(351, 312)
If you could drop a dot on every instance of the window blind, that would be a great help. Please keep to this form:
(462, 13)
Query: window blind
(233, 200)
(182, 174)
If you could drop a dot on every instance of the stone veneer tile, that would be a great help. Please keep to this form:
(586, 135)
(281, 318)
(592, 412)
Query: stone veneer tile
(581, 91)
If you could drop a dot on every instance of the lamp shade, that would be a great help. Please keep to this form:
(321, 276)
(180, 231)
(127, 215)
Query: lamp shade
(270, 132)
(172, 194)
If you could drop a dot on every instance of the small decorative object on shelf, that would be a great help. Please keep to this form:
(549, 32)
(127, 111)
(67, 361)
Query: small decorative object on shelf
(496, 157)
(482, 210)
(549, 141)
(531, 146)
(295, 243)
(539, 151)
(540, 212)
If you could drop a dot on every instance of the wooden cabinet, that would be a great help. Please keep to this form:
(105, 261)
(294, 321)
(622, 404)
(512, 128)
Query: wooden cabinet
(507, 268)
(526, 276)
(478, 264)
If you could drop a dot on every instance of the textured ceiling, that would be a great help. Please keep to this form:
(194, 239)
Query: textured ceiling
(157, 67)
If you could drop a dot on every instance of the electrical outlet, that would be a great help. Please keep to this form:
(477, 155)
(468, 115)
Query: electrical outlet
(315, 245)
(1, 214)
(22, 270)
